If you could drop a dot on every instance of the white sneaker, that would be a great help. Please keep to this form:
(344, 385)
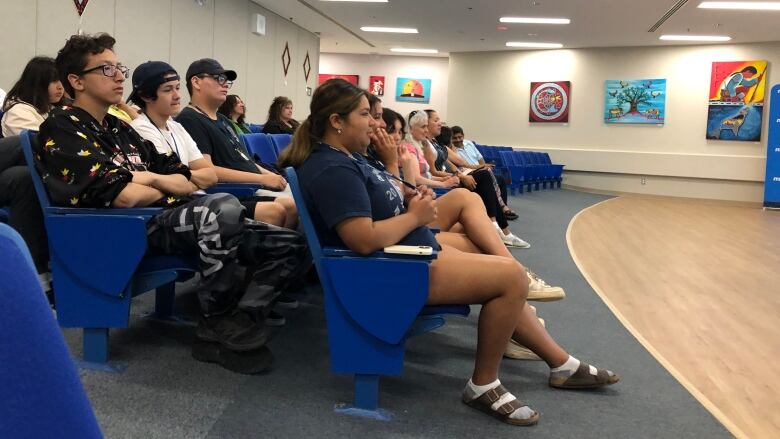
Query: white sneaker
(517, 351)
(511, 240)
(538, 289)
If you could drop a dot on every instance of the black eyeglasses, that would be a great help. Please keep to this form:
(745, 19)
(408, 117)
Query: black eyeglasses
(221, 79)
(109, 70)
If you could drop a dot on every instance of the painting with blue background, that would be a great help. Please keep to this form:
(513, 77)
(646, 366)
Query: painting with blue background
(735, 122)
(640, 101)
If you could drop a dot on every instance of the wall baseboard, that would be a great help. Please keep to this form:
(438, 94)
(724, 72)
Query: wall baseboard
(751, 204)
(744, 193)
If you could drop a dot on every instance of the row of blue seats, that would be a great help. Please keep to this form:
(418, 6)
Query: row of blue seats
(256, 127)
(368, 321)
(529, 169)
(266, 147)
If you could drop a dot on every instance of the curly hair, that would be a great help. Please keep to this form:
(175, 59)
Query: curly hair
(72, 58)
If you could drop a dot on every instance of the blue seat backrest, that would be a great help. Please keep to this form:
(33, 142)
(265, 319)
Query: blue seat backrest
(303, 212)
(260, 146)
(280, 141)
(28, 140)
(255, 128)
(42, 394)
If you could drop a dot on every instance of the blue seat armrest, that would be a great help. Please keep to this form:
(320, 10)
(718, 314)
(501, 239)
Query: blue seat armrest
(85, 245)
(144, 212)
(239, 190)
(341, 252)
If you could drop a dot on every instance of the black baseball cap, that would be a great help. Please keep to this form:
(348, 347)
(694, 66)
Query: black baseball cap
(210, 67)
(148, 76)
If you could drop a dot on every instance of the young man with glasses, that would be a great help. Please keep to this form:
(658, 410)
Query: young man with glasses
(92, 159)
(208, 83)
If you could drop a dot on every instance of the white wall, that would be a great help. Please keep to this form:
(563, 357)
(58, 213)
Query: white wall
(489, 92)
(176, 31)
(392, 67)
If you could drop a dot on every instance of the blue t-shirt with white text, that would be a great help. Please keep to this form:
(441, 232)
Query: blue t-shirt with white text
(337, 187)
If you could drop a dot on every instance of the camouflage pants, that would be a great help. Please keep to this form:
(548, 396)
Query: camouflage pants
(213, 228)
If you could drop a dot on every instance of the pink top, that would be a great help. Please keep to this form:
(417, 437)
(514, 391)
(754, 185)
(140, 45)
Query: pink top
(425, 168)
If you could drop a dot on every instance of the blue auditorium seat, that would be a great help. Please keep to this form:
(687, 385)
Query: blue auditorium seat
(372, 304)
(94, 278)
(42, 396)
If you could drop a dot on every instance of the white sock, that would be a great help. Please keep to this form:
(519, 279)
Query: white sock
(570, 367)
(474, 391)
(45, 281)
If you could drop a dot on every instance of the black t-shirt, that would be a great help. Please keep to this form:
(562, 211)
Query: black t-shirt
(217, 139)
(337, 187)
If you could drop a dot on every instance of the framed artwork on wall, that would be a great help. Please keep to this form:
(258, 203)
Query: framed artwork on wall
(376, 85)
(413, 90)
(352, 79)
(736, 103)
(550, 102)
(637, 101)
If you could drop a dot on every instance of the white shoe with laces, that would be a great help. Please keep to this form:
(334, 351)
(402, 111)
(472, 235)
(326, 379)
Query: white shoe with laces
(539, 291)
(512, 240)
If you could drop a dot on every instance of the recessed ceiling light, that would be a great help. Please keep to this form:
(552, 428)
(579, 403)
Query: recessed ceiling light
(404, 50)
(694, 38)
(533, 45)
(751, 6)
(534, 20)
(395, 30)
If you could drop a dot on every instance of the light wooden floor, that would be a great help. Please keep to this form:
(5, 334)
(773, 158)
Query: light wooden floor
(699, 285)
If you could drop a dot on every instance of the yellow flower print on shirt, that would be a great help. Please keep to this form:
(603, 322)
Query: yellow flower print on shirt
(74, 201)
(84, 153)
(82, 135)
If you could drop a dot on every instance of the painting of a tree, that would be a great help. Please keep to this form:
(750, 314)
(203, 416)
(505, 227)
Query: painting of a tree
(633, 96)
(635, 101)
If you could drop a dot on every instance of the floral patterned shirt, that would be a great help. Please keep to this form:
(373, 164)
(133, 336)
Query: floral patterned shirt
(87, 164)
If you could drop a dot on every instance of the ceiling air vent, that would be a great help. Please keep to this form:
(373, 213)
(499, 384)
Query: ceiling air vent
(676, 7)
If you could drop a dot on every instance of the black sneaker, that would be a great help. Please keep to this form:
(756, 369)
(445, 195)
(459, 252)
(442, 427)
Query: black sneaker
(275, 319)
(286, 302)
(245, 362)
(511, 215)
(235, 330)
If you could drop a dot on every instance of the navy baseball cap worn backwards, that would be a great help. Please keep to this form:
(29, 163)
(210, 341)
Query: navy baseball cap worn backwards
(209, 66)
(149, 76)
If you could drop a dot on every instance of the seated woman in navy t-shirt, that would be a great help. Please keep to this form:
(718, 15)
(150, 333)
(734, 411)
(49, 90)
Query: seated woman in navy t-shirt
(356, 205)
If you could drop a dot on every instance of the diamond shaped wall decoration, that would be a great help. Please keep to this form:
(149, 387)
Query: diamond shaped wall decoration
(286, 58)
(306, 66)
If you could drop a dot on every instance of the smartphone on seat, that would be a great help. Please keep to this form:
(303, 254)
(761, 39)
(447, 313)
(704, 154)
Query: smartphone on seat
(422, 250)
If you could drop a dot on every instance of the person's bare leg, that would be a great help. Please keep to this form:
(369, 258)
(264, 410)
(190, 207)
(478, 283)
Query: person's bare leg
(466, 208)
(493, 281)
(271, 213)
(531, 334)
(291, 219)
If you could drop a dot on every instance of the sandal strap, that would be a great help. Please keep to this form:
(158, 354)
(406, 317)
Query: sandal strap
(583, 375)
(490, 397)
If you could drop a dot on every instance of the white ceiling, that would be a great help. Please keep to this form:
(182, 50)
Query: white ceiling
(470, 25)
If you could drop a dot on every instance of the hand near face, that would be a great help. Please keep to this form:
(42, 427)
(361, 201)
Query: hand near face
(385, 146)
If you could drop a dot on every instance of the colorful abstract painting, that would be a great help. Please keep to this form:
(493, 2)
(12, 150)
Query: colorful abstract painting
(413, 90)
(736, 105)
(641, 101)
(550, 101)
(352, 79)
(376, 85)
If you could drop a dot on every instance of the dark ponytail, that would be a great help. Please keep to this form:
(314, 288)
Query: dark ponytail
(335, 96)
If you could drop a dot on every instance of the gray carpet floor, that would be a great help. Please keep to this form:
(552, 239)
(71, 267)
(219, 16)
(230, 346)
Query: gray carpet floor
(164, 393)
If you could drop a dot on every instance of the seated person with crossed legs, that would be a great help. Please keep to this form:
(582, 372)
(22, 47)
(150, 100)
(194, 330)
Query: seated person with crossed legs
(352, 206)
